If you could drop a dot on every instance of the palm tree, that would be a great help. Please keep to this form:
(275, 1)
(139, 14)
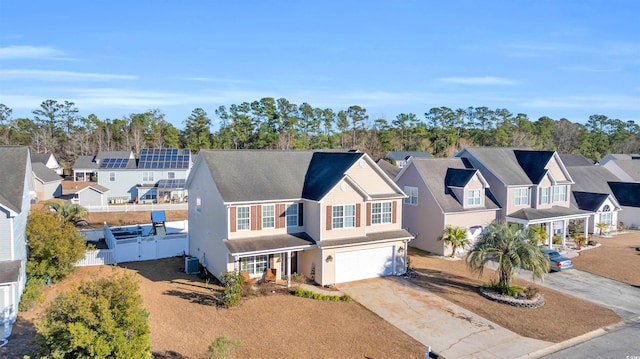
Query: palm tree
(69, 212)
(538, 234)
(512, 248)
(455, 237)
(601, 227)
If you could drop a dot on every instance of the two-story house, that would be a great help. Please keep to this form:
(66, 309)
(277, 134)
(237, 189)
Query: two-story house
(444, 192)
(16, 193)
(332, 216)
(531, 187)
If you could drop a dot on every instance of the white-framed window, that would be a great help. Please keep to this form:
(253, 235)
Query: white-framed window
(171, 175)
(198, 204)
(243, 218)
(473, 197)
(412, 193)
(559, 193)
(402, 163)
(606, 216)
(381, 213)
(544, 195)
(255, 265)
(343, 216)
(292, 215)
(112, 176)
(147, 176)
(521, 196)
(268, 216)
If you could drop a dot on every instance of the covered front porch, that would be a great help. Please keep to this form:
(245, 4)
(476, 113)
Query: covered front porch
(556, 221)
(266, 256)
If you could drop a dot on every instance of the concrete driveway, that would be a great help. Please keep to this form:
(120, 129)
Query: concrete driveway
(448, 329)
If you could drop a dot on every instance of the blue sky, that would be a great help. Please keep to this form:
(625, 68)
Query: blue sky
(559, 58)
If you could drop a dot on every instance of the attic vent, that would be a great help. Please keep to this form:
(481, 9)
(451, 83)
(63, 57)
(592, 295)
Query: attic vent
(191, 265)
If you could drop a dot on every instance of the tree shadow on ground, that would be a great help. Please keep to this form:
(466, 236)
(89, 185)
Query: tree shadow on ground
(170, 354)
(22, 341)
(194, 297)
(440, 282)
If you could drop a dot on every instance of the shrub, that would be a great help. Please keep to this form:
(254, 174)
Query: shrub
(300, 292)
(579, 240)
(223, 347)
(233, 288)
(557, 240)
(103, 318)
(32, 293)
(298, 278)
(508, 290)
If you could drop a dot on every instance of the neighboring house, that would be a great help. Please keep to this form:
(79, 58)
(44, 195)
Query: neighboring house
(86, 167)
(157, 176)
(443, 192)
(575, 160)
(93, 195)
(49, 160)
(400, 158)
(335, 217)
(624, 166)
(16, 193)
(531, 187)
(628, 195)
(591, 192)
(391, 170)
(48, 184)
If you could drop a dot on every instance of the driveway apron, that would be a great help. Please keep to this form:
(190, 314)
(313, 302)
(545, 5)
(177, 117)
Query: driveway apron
(448, 329)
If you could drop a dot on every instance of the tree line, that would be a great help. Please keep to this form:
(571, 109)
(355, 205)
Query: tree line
(56, 127)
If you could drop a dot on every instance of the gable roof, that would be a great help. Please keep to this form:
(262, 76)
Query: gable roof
(592, 179)
(573, 160)
(84, 162)
(40, 157)
(458, 177)
(630, 167)
(13, 162)
(263, 175)
(513, 166)
(391, 170)
(44, 174)
(434, 173)
(589, 201)
(402, 155)
(94, 187)
(627, 193)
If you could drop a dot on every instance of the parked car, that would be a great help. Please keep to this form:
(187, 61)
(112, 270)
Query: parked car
(557, 261)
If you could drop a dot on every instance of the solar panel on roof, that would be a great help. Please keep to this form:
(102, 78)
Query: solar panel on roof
(114, 163)
(164, 158)
(171, 183)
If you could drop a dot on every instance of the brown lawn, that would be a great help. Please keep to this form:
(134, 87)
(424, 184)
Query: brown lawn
(562, 317)
(184, 321)
(97, 219)
(617, 258)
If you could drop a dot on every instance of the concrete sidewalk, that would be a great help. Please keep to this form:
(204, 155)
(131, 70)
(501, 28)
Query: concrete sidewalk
(448, 329)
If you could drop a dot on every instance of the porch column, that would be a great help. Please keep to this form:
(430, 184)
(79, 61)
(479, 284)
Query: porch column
(236, 261)
(586, 227)
(550, 234)
(564, 233)
(288, 269)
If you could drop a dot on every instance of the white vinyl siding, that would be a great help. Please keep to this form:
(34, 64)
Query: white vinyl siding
(521, 196)
(473, 198)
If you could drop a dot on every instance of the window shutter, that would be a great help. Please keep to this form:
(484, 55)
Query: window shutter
(232, 219)
(394, 210)
(357, 214)
(329, 218)
(253, 218)
(281, 219)
(259, 217)
(300, 215)
(368, 213)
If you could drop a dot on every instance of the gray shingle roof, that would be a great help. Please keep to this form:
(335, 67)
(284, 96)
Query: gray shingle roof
(434, 172)
(630, 167)
(44, 173)
(13, 162)
(269, 243)
(391, 170)
(591, 179)
(627, 193)
(401, 155)
(40, 157)
(532, 214)
(260, 175)
(113, 154)
(84, 162)
(369, 238)
(573, 160)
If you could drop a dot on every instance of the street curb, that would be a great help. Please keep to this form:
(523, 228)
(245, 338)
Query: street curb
(575, 340)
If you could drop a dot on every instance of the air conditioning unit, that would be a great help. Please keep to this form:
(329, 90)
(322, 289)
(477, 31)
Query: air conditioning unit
(191, 265)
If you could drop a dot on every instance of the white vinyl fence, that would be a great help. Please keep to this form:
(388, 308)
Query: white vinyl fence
(138, 248)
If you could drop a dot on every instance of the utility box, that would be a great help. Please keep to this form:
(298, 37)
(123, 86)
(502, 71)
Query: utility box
(191, 265)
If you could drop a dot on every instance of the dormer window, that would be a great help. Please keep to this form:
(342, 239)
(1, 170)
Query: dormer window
(473, 198)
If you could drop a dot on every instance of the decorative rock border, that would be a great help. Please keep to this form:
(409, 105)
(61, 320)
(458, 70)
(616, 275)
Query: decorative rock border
(505, 299)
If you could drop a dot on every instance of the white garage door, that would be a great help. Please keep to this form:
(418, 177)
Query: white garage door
(364, 263)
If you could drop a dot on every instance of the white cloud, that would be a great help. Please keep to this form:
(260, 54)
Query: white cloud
(487, 80)
(65, 76)
(30, 52)
(595, 102)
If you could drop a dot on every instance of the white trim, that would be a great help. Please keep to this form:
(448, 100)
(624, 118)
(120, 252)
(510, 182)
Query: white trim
(405, 239)
(273, 251)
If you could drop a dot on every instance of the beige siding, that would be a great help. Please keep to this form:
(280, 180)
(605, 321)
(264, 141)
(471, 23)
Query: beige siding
(372, 228)
(511, 200)
(338, 196)
(313, 219)
(498, 189)
(367, 178)
(554, 168)
(255, 220)
(470, 219)
(310, 259)
(425, 221)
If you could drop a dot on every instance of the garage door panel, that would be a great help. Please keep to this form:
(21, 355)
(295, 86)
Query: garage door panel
(364, 263)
